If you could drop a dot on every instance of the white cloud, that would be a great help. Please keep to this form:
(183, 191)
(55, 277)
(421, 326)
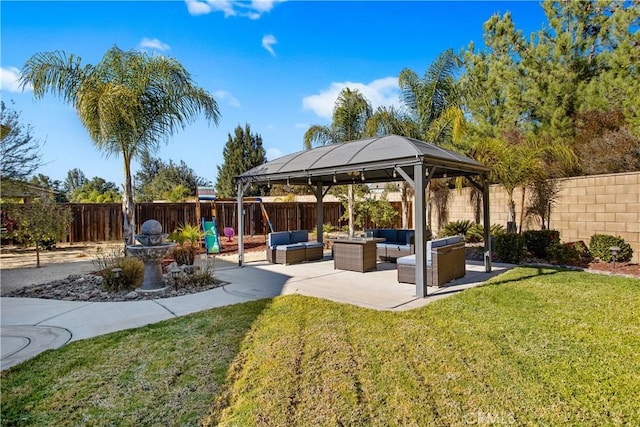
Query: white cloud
(153, 44)
(267, 42)
(223, 95)
(252, 10)
(9, 80)
(273, 153)
(381, 92)
(196, 7)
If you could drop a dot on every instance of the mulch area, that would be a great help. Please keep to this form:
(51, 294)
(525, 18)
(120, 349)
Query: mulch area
(251, 244)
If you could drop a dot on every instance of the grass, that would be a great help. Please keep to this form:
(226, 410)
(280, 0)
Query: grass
(536, 347)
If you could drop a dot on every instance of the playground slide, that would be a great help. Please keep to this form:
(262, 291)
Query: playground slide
(211, 238)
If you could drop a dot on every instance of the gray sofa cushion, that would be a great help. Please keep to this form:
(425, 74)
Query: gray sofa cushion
(407, 260)
(405, 236)
(314, 244)
(290, 247)
(278, 238)
(298, 236)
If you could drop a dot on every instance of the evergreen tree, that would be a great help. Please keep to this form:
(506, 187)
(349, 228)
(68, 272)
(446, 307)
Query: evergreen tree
(75, 178)
(242, 152)
(44, 181)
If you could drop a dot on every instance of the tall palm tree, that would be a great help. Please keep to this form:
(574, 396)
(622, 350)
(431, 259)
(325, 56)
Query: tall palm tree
(434, 103)
(350, 115)
(129, 102)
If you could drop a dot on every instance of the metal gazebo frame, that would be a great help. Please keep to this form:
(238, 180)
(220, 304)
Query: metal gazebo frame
(371, 160)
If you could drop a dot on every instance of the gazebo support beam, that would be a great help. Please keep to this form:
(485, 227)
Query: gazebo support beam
(241, 189)
(487, 223)
(421, 228)
(319, 212)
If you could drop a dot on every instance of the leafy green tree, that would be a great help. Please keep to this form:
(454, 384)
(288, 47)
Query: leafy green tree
(96, 190)
(39, 223)
(381, 211)
(19, 151)
(242, 152)
(129, 102)
(156, 180)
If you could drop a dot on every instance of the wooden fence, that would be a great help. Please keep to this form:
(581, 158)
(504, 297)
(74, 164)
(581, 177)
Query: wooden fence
(94, 222)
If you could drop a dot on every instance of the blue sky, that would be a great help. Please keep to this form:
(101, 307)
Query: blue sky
(277, 66)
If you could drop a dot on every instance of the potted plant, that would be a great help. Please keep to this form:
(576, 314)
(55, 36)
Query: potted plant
(187, 237)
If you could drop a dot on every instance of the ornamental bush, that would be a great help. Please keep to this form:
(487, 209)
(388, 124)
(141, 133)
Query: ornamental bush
(600, 247)
(509, 247)
(563, 254)
(538, 242)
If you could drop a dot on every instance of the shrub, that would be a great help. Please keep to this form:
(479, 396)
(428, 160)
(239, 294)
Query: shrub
(476, 232)
(509, 248)
(563, 253)
(184, 255)
(130, 276)
(456, 228)
(538, 241)
(600, 245)
(132, 273)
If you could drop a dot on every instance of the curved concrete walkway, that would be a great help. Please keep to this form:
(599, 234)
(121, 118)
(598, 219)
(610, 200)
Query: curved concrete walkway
(30, 326)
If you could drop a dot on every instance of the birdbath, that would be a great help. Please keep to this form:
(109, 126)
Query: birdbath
(151, 250)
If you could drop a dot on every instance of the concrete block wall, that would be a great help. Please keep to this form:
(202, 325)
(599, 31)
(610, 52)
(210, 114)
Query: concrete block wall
(598, 204)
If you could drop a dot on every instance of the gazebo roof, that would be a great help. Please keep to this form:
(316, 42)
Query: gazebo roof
(375, 158)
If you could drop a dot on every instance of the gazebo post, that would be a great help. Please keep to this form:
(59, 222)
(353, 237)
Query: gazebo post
(420, 227)
(487, 223)
(240, 225)
(319, 213)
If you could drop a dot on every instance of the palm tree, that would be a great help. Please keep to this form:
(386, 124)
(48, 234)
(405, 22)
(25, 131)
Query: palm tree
(129, 102)
(350, 115)
(434, 104)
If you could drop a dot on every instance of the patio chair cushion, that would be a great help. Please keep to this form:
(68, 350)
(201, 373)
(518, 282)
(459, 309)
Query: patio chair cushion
(291, 247)
(389, 234)
(314, 244)
(298, 236)
(405, 236)
(278, 238)
(407, 260)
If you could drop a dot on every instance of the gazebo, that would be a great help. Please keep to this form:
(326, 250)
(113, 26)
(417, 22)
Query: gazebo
(379, 159)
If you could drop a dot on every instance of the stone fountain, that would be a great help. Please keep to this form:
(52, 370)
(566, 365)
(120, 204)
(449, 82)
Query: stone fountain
(151, 250)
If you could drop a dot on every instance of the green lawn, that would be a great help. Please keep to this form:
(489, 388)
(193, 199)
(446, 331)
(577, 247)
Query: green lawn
(538, 347)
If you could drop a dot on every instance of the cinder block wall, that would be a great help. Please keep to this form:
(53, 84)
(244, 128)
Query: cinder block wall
(604, 204)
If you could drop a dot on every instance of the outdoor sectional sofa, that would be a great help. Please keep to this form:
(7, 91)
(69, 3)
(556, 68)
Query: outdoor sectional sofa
(445, 262)
(291, 247)
(398, 243)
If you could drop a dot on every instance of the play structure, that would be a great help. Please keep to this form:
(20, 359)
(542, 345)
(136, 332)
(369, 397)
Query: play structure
(210, 227)
(211, 236)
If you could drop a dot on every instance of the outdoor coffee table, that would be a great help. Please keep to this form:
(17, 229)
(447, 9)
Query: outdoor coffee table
(355, 253)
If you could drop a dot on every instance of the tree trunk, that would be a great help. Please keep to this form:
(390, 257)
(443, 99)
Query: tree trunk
(428, 213)
(128, 207)
(37, 254)
(511, 218)
(522, 208)
(403, 204)
(350, 208)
